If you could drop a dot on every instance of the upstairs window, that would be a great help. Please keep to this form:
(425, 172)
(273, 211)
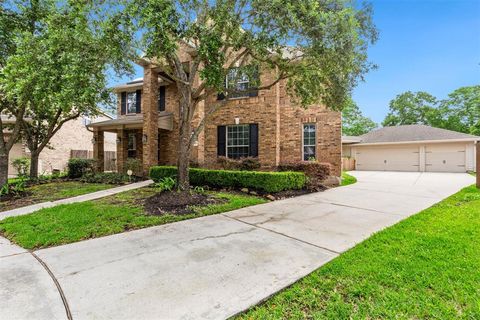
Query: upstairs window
(243, 81)
(309, 142)
(161, 98)
(131, 102)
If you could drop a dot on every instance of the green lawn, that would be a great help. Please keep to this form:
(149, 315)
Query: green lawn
(347, 179)
(425, 267)
(52, 191)
(114, 214)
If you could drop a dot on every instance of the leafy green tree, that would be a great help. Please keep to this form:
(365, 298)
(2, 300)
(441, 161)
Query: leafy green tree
(57, 71)
(319, 47)
(354, 123)
(412, 108)
(10, 131)
(461, 110)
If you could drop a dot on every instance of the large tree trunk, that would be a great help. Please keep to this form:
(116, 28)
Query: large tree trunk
(3, 167)
(34, 165)
(183, 160)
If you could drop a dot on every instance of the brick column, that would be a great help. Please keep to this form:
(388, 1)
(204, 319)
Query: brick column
(121, 150)
(98, 149)
(150, 119)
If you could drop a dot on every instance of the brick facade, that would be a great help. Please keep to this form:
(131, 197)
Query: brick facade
(280, 126)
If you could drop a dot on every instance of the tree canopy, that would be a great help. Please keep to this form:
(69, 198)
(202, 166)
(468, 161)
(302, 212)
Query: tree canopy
(460, 111)
(354, 123)
(411, 108)
(55, 68)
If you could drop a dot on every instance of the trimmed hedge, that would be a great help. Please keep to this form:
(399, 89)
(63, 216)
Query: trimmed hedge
(264, 181)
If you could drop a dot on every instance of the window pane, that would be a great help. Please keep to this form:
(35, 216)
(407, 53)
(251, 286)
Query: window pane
(239, 81)
(131, 102)
(238, 139)
(309, 141)
(308, 153)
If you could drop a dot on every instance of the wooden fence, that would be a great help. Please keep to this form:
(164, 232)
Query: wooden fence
(110, 163)
(348, 164)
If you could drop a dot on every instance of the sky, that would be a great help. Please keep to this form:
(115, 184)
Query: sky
(424, 45)
(431, 46)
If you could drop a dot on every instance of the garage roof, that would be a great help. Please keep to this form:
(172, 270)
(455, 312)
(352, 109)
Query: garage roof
(413, 133)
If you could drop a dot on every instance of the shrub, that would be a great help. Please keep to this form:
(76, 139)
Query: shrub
(105, 177)
(135, 165)
(22, 165)
(264, 181)
(316, 172)
(246, 164)
(78, 167)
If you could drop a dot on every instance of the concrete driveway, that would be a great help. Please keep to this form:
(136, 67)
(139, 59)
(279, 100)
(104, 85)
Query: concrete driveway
(216, 266)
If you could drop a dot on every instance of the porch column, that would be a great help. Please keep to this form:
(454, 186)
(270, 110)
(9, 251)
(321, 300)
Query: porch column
(150, 119)
(122, 145)
(98, 149)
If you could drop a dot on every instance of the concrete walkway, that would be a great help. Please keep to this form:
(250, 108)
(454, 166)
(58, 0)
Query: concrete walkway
(81, 198)
(216, 266)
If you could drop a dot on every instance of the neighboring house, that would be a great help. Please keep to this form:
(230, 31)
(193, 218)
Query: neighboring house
(412, 148)
(73, 135)
(264, 124)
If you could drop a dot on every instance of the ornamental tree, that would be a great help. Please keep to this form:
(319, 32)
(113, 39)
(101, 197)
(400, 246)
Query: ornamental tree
(318, 47)
(57, 70)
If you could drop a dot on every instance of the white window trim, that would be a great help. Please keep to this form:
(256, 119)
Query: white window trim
(126, 102)
(303, 140)
(236, 146)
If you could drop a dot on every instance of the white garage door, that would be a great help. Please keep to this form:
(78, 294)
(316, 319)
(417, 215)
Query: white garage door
(398, 158)
(445, 158)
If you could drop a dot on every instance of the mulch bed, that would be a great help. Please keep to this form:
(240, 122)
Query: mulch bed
(178, 203)
(13, 201)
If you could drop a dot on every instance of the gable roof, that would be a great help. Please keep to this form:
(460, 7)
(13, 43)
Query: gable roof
(413, 133)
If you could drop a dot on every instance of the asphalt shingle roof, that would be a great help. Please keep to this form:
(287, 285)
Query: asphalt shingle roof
(413, 133)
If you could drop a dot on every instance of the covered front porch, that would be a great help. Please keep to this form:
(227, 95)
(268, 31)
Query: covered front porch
(136, 139)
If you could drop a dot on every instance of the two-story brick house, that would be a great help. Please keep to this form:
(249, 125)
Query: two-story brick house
(263, 124)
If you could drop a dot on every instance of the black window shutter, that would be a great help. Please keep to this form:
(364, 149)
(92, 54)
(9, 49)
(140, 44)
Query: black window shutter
(139, 101)
(123, 103)
(161, 98)
(221, 141)
(253, 150)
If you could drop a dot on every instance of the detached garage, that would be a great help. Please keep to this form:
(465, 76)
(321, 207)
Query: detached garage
(412, 148)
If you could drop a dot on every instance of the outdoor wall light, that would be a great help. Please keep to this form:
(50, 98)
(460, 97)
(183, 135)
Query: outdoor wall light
(94, 140)
(144, 138)
(119, 140)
